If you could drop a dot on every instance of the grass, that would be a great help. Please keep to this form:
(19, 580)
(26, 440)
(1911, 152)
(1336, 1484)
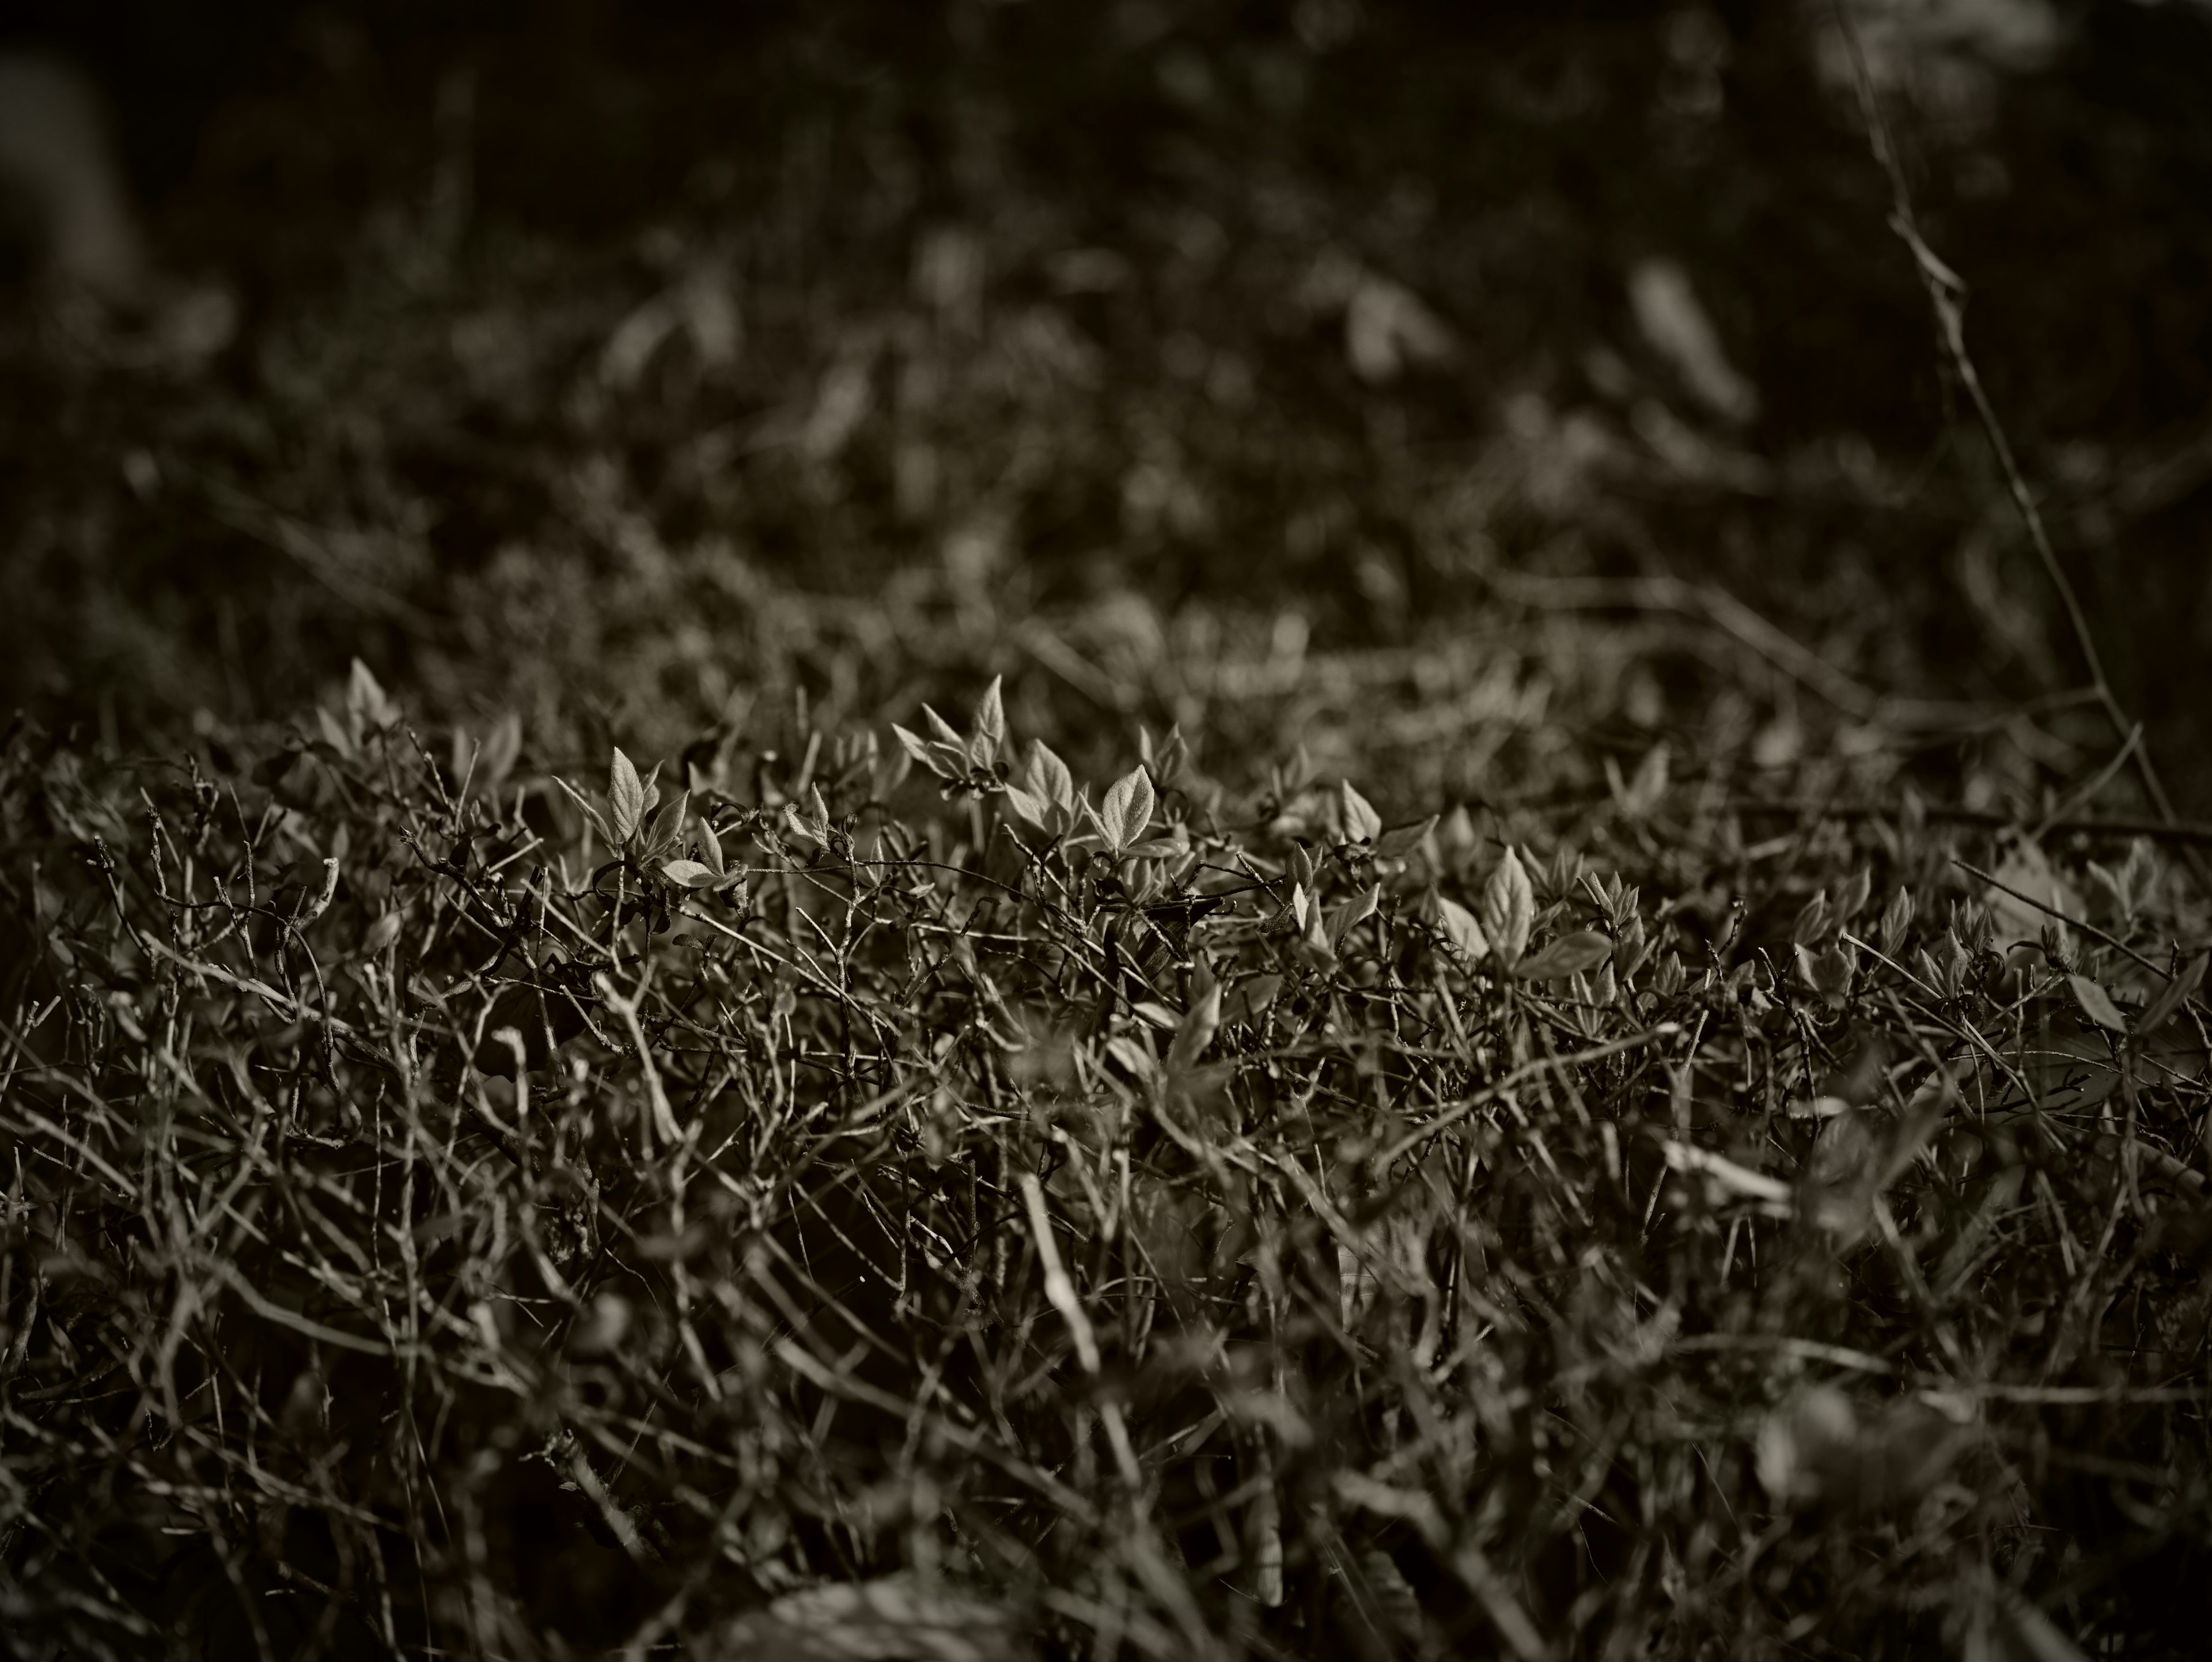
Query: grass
(846, 1202)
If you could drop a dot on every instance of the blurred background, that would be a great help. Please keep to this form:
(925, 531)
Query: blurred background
(1477, 395)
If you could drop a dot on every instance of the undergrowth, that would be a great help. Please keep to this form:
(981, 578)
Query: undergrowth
(875, 1196)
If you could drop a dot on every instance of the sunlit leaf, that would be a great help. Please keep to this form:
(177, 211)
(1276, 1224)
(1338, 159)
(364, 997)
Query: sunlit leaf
(1461, 928)
(625, 796)
(1127, 809)
(1049, 776)
(1508, 911)
(1361, 823)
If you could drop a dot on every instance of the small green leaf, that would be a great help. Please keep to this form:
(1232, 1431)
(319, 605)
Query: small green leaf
(689, 873)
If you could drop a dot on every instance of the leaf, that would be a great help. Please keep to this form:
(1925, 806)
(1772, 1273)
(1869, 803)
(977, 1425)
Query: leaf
(1401, 841)
(1649, 787)
(1829, 972)
(667, 823)
(1127, 809)
(689, 873)
(921, 751)
(625, 796)
(1569, 955)
(1196, 1032)
(1896, 919)
(1254, 996)
(597, 821)
(990, 726)
(503, 745)
(1851, 899)
(1353, 912)
(1361, 823)
(365, 698)
(2097, 1004)
(2171, 997)
(1508, 911)
(1461, 928)
(1049, 778)
(943, 731)
(1031, 806)
(1813, 921)
(710, 849)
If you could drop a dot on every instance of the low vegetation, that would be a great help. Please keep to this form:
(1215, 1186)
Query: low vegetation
(868, 1194)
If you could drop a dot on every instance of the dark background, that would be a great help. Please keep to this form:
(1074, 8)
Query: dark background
(365, 182)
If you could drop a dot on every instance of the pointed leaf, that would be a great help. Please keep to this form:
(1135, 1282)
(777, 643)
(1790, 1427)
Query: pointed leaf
(1569, 955)
(2171, 997)
(667, 823)
(943, 731)
(710, 849)
(625, 796)
(1128, 808)
(1508, 911)
(1649, 787)
(990, 720)
(1254, 993)
(1401, 841)
(1353, 912)
(1031, 806)
(1465, 934)
(1049, 778)
(1361, 823)
(591, 814)
(689, 873)
(366, 700)
(921, 750)
(1195, 1031)
(2097, 1004)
